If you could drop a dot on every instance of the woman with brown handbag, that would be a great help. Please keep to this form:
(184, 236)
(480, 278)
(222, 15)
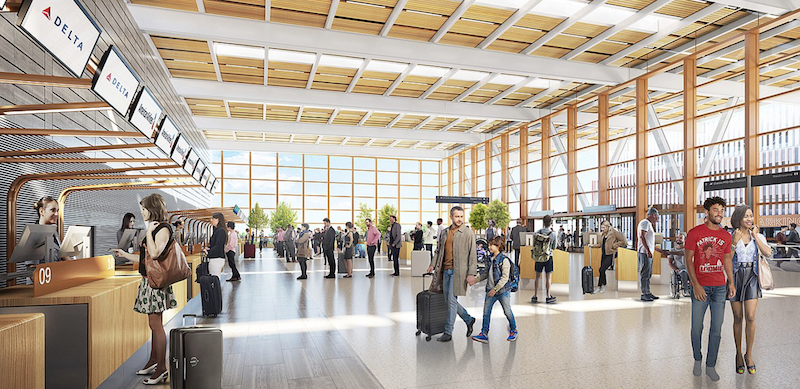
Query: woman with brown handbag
(150, 301)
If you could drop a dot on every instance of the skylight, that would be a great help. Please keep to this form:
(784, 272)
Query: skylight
(428, 71)
(469, 75)
(507, 79)
(515, 4)
(291, 56)
(238, 51)
(388, 67)
(541, 83)
(603, 15)
(340, 62)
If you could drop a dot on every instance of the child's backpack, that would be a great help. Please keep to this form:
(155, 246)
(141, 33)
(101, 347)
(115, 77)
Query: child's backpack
(513, 278)
(541, 247)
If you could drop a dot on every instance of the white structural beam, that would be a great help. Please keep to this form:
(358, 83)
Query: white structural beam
(278, 127)
(476, 86)
(563, 26)
(511, 90)
(285, 36)
(393, 17)
(764, 54)
(543, 93)
(365, 118)
(399, 79)
(313, 71)
(479, 125)
(395, 120)
(424, 122)
(653, 7)
(438, 83)
(683, 23)
(357, 76)
(452, 124)
(267, 8)
(357, 101)
(381, 152)
(463, 7)
(510, 22)
(331, 14)
(773, 7)
(330, 119)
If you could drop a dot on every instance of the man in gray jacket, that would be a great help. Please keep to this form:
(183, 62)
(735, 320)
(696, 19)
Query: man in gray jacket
(395, 243)
(515, 239)
(455, 267)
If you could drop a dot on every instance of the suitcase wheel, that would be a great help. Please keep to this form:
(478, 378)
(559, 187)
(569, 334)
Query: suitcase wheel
(418, 332)
(428, 338)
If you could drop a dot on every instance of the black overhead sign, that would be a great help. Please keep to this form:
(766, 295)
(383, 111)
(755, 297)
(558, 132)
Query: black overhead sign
(776, 178)
(731, 183)
(462, 200)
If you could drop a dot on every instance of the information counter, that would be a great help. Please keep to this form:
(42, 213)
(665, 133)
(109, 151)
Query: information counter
(405, 252)
(527, 266)
(22, 351)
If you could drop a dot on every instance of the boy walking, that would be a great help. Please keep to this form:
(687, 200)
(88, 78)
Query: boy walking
(498, 288)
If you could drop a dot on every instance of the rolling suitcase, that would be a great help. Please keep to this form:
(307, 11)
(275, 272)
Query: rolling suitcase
(211, 295)
(195, 357)
(431, 312)
(249, 250)
(587, 279)
(341, 267)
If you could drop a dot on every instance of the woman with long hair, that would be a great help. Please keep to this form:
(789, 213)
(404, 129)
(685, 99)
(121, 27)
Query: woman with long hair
(747, 243)
(611, 241)
(150, 301)
(128, 222)
(216, 245)
(347, 242)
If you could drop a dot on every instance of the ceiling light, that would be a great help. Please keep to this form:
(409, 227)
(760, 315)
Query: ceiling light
(239, 51)
(507, 79)
(367, 4)
(340, 62)
(424, 13)
(469, 75)
(388, 67)
(428, 71)
(291, 56)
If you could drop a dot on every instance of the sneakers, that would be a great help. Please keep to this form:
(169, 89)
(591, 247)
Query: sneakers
(646, 298)
(534, 299)
(550, 299)
(512, 336)
(481, 338)
(603, 289)
(445, 338)
(469, 327)
(652, 296)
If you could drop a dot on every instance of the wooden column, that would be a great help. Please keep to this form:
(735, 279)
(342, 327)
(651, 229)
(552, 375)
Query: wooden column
(602, 148)
(487, 157)
(572, 138)
(689, 141)
(461, 178)
(474, 170)
(641, 148)
(504, 168)
(546, 163)
(523, 172)
(751, 95)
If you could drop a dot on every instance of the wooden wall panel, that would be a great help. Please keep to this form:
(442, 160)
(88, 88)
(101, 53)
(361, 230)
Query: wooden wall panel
(22, 351)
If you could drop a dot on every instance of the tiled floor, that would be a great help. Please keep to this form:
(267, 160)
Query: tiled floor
(359, 333)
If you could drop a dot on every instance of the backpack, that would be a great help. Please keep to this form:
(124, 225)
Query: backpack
(541, 247)
(356, 238)
(513, 278)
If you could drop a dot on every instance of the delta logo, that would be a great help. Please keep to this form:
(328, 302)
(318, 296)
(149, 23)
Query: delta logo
(64, 28)
(117, 84)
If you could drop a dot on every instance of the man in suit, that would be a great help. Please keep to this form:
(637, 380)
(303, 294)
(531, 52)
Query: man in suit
(328, 243)
(395, 243)
(516, 239)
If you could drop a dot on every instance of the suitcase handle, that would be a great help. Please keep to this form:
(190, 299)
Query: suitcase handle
(423, 280)
(189, 315)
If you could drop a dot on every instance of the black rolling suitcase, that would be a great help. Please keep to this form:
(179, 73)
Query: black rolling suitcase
(587, 279)
(195, 357)
(210, 295)
(431, 312)
(341, 267)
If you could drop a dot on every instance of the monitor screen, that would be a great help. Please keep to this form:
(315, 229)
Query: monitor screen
(115, 82)
(145, 113)
(167, 136)
(181, 150)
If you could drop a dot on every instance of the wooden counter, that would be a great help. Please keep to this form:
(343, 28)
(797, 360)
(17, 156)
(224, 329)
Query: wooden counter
(560, 267)
(526, 264)
(114, 330)
(592, 257)
(627, 267)
(22, 351)
(405, 251)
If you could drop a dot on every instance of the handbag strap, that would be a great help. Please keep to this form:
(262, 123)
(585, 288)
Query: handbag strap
(170, 242)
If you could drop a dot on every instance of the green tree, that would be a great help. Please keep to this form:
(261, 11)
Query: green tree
(282, 216)
(498, 211)
(383, 217)
(365, 212)
(477, 217)
(258, 219)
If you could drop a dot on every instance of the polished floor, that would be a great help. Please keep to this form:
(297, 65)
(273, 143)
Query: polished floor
(359, 333)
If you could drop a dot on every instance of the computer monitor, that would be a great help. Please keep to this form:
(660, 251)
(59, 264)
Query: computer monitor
(77, 242)
(38, 243)
(526, 238)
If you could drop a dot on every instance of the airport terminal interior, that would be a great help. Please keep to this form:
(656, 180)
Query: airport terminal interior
(298, 193)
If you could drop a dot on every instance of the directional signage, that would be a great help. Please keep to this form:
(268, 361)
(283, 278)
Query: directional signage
(62, 27)
(600, 208)
(731, 183)
(115, 82)
(167, 136)
(214, 186)
(181, 150)
(462, 200)
(191, 161)
(776, 178)
(145, 113)
(198, 171)
(206, 177)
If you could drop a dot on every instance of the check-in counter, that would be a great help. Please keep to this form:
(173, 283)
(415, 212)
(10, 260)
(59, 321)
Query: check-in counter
(592, 256)
(22, 351)
(526, 263)
(627, 267)
(405, 251)
(527, 266)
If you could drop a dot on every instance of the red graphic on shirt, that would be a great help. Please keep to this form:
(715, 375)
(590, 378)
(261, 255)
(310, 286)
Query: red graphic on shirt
(711, 255)
(46, 13)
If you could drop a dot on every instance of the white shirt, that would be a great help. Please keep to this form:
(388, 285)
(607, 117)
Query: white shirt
(649, 235)
(747, 252)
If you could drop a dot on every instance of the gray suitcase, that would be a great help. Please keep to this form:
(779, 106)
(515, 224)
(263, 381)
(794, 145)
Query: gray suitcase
(195, 357)
(341, 267)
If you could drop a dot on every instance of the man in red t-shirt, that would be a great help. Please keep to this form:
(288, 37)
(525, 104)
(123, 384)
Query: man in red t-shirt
(708, 260)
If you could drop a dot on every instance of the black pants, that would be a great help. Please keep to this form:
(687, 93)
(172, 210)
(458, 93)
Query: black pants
(331, 261)
(396, 256)
(371, 257)
(605, 263)
(429, 247)
(290, 251)
(418, 246)
(232, 263)
(389, 252)
(516, 257)
(303, 266)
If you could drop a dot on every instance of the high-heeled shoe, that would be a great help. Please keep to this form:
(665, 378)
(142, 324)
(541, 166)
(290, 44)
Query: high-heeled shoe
(147, 370)
(751, 369)
(155, 381)
(740, 368)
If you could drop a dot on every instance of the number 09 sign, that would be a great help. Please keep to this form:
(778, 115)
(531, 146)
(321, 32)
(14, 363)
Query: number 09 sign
(54, 276)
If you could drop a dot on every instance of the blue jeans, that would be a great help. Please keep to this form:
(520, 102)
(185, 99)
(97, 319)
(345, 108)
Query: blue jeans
(505, 302)
(645, 272)
(453, 306)
(715, 298)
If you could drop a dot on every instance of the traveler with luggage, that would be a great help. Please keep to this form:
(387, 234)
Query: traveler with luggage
(500, 280)
(418, 236)
(216, 245)
(373, 238)
(455, 267)
(544, 242)
(708, 260)
(646, 235)
(304, 250)
(516, 240)
(748, 244)
(151, 301)
(328, 245)
(230, 251)
(395, 243)
(611, 241)
(288, 242)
